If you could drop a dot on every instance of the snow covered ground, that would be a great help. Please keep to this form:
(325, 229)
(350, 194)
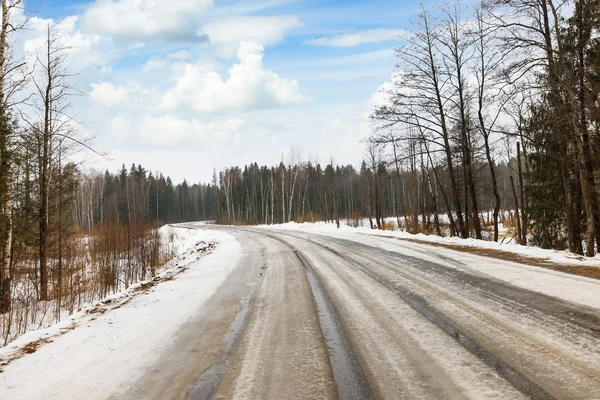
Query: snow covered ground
(573, 288)
(86, 285)
(126, 331)
(554, 256)
(147, 339)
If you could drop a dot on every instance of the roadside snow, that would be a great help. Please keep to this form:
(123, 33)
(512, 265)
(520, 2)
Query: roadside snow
(110, 343)
(568, 287)
(554, 256)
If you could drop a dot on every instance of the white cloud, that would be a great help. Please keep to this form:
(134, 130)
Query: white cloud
(165, 129)
(87, 57)
(346, 130)
(170, 130)
(152, 117)
(147, 19)
(155, 63)
(120, 128)
(357, 38)
(107, 94)
(382, 96)
(248, 87)
(180, 55)
(227, 33)
(106, 70)
(229, 125)
(84, 50)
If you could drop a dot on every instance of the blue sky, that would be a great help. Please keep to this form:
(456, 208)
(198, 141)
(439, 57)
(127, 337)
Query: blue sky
(198, 84)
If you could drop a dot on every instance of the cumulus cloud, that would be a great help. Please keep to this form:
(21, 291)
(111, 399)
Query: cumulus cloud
(249, 86)
(165, 129)
(131, 98)
(180, 55)
(169, 117)
(84, 50)
(107, 94)
(169, 130)
(227, 33)
(120, 129)
(143, 20)
(357, 38)
(87, 57)
(191, 100)
(155, 63)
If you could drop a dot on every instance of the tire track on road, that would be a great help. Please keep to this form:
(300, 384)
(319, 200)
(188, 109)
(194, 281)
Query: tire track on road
(349, 378)
(281, 353)
(506, 371)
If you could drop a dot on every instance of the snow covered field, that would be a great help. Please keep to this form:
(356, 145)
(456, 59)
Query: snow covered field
(125, 331)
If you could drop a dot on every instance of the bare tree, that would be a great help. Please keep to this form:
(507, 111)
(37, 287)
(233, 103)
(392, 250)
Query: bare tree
(490, 96)
(420, 98)
(457, 49)
(53, 99)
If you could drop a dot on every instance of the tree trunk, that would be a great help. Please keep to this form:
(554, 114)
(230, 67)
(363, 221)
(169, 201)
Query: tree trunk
(557, 107)
(517, 217)
(494, 182)
(401, 192)
(523, 199)
(60, 237)
(45, 173)
(470, 183)
(572, 230)
(282, 193)
(588, 184)
(5, 177)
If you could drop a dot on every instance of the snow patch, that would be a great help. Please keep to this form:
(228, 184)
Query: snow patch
(552, 256)
(112, 341)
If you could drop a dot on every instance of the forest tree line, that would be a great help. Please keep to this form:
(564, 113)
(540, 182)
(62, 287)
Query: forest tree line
(294, 190)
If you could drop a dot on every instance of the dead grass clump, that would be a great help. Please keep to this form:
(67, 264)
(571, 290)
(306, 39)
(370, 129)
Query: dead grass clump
(388, 226)
(309, 217)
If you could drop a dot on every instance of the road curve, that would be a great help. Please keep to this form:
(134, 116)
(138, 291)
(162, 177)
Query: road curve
(307, 316)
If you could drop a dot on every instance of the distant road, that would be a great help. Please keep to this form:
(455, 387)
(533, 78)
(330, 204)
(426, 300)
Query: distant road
(308, 316)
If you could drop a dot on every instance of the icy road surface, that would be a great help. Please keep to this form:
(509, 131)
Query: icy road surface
(297, 315)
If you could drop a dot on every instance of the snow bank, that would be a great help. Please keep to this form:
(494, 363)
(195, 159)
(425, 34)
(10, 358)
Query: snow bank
(554, 256)
(573, 288)
(108, 344)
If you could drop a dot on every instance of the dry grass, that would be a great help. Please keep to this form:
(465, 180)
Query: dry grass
(508, 219)
(309, 217)
(107, 260)
(240, 223)
(388, 226)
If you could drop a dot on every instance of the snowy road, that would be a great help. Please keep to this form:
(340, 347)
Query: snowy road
(416, 327)
(303, 315)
